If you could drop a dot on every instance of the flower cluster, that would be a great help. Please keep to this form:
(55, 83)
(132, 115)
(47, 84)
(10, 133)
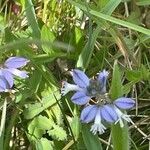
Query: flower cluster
(9, 70)
(98, 106)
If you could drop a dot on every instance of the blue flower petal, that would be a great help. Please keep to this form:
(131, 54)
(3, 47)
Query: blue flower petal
(16, 72)
(80, 78)
(80, 98)
(108, 113)
(124, 103)
(8, 76)
(88, 113)
(16, 62)
(102, 78)
(3, 84)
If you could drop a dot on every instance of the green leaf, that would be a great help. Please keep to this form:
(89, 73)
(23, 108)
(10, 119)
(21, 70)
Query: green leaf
(23, 94)
(120, 136)
(47, 35)
(44, 144)
(86, 54)
(75, 126)
(116, 86)
(35, 81)
(127, 87)
(110, 6)
(143, 2)
(78, 34)
(111, 19)
(58, 133)
(91, 141)
(138, 75)
(133, 75)
(121, 22)
(43, 123)
(38, 126)
(46, 58)
(56, 114)
(24, 43)
(31, 17)
(9, 36)
(102, 3)
(134, 17)
(34, 109)
(2, 25)
(2, 125)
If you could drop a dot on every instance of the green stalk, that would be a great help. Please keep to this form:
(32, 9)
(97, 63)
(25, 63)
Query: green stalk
(9, 129)
(120, 136)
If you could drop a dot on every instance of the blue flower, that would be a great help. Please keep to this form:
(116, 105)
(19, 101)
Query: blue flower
(3, 81)
(80, 86)
(103, 109)
(84, 87)
(99, 114)
(108, 112)
(10, 69)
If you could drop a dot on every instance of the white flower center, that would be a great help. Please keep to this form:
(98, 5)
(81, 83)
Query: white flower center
(67, 87)
(98, 126)
(121, 116)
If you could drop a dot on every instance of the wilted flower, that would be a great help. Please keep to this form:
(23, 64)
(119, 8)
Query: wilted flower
(103, 109)
(10, 69)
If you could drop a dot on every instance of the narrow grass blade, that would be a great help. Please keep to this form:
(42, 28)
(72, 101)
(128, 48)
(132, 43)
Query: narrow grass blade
(31, 17)
(143, 2)
(23, 43)
(112, 19)
(86, 54)
(2, 126)
(121, 22)
(110, 6)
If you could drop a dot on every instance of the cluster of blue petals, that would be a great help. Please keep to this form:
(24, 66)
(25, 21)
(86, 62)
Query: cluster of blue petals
(9, 70)
(103, 110)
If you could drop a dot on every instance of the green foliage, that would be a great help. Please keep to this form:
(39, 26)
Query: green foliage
(120, 136)
(44, 144)
(2, 125)
(31, 17)
(143, 2)
(47, 35)
(38, 126)
(75, 126)
(91, 141)
(57, 36)
(86, 54)
(110, 6)
(116, 85)
(112, 19)
(138, 75)
(47, 100)
(58, 133)
(127, 87)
